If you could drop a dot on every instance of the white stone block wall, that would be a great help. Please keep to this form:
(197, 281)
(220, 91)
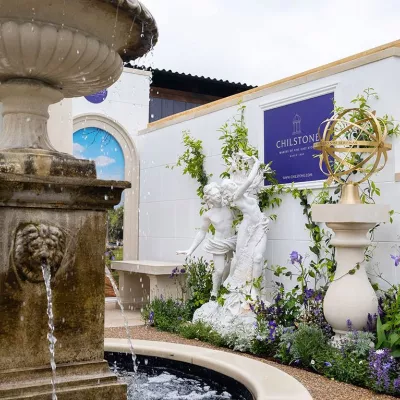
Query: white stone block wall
(168, 203)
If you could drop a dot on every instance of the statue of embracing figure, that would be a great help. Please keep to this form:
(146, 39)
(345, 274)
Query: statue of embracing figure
(249, 246)
(223, 243)
(248, 262)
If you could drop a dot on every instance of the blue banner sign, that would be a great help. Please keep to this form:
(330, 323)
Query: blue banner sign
(289, 134)
(98, 97)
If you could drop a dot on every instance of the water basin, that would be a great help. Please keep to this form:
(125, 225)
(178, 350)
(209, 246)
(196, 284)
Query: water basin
(159, 378)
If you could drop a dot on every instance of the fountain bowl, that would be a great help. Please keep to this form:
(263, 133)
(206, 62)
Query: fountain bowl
(75, 46)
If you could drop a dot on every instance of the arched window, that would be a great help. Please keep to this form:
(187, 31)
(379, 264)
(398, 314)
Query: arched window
(118, 149)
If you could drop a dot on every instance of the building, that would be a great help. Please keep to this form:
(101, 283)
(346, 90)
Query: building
(174, 92)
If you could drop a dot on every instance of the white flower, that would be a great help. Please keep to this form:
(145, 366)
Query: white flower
(312, 362)
(360, 362)
(380, 351)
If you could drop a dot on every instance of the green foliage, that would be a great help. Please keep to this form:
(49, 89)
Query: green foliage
(335, 365)
(199, 281)
(193, 162)
(361, 107)
(269, 197)
(166, 315)
(301, 345)
(263, 348)
(235, 138)
(388, 327)
(201, 331)
(113, 255)
(115, 222)
(349, 361)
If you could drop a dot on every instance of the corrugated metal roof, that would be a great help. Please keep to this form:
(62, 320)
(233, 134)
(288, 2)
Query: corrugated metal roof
(243, 86)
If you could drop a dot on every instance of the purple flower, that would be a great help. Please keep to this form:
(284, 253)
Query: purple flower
(396, 260)
(151, 317)
(371, 322)
(183, 270)
(396, 384)
(349, 325)
(295, 257)
(381, 364)
(318, 297)
(308, 293)
(327, 364)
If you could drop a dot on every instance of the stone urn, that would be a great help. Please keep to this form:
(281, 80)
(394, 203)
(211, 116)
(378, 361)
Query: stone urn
(52, 206)
(350, 296)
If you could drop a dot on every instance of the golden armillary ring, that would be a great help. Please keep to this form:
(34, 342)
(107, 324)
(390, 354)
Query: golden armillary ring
(348, 147)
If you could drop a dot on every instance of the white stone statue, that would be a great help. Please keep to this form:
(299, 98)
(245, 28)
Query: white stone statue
(222, 244)
(248, 261)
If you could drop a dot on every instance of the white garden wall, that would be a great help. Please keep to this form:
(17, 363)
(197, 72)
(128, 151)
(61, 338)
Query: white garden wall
(169, 207)
(127, 102)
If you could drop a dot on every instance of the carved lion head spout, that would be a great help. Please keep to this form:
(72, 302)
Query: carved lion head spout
(35, 245)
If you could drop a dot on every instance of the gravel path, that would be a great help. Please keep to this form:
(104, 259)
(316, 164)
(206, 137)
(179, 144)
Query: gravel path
(321, 388)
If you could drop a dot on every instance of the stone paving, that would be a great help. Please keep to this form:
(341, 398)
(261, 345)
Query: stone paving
(113, 317)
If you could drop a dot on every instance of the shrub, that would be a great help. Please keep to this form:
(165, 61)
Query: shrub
(301, 345)
(336, 364)
(201, 331)
(388, 324)
(348, 361)
(166, 315)
(199, 281)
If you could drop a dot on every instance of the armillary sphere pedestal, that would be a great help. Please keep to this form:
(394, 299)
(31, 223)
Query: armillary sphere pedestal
(350, 296)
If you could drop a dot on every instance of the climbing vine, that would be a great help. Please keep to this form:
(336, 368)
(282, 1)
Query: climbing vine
(192, 161)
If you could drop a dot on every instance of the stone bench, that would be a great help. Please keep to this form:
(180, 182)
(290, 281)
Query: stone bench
(141, 281)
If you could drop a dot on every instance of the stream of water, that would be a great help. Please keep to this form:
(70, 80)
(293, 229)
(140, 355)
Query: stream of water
(50, 335)
(121, 306)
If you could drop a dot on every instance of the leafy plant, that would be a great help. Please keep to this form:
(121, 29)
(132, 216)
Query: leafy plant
(388, 324)
(193, 161)
(199, 281)
(201, 331)
(336, 364)
(166, 315)
(115, 223)
(302, 345)
(235, 139)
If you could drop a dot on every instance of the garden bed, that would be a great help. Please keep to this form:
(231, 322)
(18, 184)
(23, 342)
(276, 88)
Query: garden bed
(321, 388)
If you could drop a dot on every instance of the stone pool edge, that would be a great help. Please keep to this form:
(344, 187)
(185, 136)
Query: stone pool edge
(264, 381)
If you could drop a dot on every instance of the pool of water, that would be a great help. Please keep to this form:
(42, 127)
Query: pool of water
(159, 378)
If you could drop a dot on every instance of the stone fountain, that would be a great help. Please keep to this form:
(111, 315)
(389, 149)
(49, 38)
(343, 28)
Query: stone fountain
(52, 207)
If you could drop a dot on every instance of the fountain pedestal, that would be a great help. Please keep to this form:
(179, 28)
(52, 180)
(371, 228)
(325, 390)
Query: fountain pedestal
(350, 296)
(61, 221)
